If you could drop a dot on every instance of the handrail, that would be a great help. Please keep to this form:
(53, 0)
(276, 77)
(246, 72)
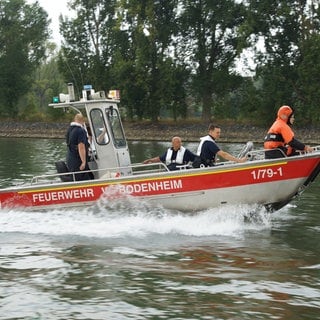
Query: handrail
(155, 167)
(259, 154)
(141, 168)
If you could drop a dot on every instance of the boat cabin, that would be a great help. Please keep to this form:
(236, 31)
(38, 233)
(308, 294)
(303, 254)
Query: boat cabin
(109, 148)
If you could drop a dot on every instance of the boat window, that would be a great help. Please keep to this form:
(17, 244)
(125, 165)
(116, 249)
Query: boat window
(116, 127)
(99, 127)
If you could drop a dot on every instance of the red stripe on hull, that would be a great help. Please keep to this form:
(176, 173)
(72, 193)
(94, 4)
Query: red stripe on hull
(172, 183)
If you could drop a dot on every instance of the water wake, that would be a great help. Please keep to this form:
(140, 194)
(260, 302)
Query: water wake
(132, 217)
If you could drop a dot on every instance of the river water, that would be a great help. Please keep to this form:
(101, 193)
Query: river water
(132, 261)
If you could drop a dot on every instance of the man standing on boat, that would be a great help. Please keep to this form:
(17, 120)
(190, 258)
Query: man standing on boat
(280, 141)
(77, 152)
(208, 149)
(175, 156)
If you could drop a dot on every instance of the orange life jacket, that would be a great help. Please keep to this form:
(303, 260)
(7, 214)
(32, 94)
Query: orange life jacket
(279, 135)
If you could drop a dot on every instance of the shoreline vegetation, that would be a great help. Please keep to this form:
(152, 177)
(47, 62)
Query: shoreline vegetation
(161, 131)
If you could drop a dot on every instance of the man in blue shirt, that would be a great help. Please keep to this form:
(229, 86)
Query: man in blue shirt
(208, 149)
(77, 152)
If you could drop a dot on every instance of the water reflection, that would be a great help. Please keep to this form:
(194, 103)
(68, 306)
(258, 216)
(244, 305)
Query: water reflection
(132, 261)
(24, 158)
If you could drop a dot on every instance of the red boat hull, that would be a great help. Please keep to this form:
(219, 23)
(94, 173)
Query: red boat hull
(258, 182)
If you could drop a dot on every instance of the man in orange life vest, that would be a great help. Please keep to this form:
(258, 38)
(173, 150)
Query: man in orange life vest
(280, 141)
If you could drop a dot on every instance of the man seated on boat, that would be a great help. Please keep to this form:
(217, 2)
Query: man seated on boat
(175, 157)
(280, 141)
(208, 149)
(77, 151)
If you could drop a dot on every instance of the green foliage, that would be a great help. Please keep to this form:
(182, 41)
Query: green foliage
(150, 27)
(213, 34)
(288, 67)
(308, 92)
(173, 58)
(23, 32)
(90, 43)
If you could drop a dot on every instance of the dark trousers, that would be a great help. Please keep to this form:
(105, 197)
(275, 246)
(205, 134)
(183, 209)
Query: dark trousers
(275, 153)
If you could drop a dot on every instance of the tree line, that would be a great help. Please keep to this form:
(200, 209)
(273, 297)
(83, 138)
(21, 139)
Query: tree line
(169, 58)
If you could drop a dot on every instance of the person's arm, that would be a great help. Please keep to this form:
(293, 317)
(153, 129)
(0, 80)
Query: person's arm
(82, 153)
(228, 156)
(296, 144)
(152, 160)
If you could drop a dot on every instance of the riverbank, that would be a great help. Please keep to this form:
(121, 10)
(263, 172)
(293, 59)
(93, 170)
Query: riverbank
(162, 131)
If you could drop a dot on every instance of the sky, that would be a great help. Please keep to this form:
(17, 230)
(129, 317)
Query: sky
(54, 8)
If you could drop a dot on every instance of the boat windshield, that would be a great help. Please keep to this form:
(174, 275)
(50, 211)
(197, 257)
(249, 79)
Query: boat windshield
(117, 133)
(99, 127)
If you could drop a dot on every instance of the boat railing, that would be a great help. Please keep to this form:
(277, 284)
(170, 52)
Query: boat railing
(55, 177)
(104, 173)
(135, 168)
(141, 168)
(138, 169)
(316, 148)
(259, 154)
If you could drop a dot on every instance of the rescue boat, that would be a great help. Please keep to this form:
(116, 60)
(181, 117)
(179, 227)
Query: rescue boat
(271, 183)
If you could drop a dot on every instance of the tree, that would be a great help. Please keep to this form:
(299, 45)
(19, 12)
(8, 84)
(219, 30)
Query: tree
(123, 44)
(288, 69)
(47, 82)
(23, 32)
(88, 50)
(150, 27)
(309, 78)
(212, 36)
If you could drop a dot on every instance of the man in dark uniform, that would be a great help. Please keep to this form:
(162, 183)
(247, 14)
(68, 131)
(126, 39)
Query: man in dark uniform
(208, 149)
(77, 152)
